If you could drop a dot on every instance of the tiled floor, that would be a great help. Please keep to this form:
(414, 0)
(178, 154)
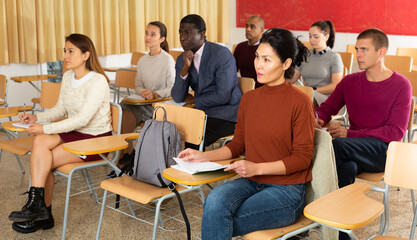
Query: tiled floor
(84, 212)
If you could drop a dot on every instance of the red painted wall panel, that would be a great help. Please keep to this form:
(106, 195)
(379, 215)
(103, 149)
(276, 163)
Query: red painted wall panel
(392, 16)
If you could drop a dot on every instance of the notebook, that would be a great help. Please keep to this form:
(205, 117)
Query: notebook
(26, 125)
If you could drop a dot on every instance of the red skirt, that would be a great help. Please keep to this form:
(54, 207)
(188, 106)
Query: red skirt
(75, 136)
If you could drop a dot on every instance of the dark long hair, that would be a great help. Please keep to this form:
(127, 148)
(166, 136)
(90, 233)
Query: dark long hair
(286, 46)
(85, 44)
(163, 31)
(327, 28)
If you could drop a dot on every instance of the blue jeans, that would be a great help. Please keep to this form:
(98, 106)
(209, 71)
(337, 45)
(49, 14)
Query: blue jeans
(243, 206)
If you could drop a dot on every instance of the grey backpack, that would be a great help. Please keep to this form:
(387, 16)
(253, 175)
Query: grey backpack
(158, 143)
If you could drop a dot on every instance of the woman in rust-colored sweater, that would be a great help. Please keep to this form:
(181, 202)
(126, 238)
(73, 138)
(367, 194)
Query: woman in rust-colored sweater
(275, 129)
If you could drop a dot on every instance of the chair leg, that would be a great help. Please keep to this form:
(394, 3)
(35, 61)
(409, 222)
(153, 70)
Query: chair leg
(383, 228)
(33, 109)
(20, 164)
(103, 206)
(64, 225)
(89, 183)
(413, 200)
(157, 214)
(413, 226)
(131, 208)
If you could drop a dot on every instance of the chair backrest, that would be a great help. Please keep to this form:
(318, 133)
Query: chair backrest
(401, 165)
(399, 63)
(412, 77)
(3, 87)
(135, 57)
(233, 48)
(190, 122)
(175, 54)
(351, 48)
(246, 84)
(411, 119)
(125, 78)
(116, 117)
(307, 44)
(307, 90)
(49, 94)
(412, 52)
(347, 59)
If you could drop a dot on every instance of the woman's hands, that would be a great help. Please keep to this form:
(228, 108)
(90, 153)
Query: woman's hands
(35, 129)
(192, 155)
(148, 94)
(244, 168)
(28, 118)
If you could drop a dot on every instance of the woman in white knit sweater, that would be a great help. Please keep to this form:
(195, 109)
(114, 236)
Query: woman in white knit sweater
(155, 76)
(82, 111)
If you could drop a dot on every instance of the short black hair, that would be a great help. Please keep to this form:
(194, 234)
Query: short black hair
(198, 22)
(379, 38)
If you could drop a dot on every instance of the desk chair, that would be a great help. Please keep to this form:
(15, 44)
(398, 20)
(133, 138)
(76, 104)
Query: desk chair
(245, 84)
(233, 48)
(175, 54)
(351, 48)
(124, 78)
(3, 91)
(412, 77)
(307, 90)
(376, 177)
(191, 123)
(135, 58)
(399, 63)
(68, 170)
(22, 146)
(307, 44)
(324, 181)
(412, 52)
(38, 100)
(347, 59)
(348, 208)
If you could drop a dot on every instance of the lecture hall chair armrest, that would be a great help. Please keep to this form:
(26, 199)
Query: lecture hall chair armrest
(100, 144)
(346, 208)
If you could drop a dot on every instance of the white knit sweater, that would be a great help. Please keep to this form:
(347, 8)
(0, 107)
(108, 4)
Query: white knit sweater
(86, 107)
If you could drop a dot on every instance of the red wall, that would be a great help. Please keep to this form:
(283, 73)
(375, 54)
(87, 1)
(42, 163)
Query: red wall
(392, 16)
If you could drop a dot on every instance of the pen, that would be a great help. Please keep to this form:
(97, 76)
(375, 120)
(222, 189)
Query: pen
(317, 116)
(24, 109)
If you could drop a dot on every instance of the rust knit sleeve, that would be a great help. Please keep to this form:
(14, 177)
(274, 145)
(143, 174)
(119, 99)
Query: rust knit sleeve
(303, 138)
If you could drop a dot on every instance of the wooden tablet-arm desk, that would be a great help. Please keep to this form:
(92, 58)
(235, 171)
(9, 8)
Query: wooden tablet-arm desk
(145, 102)
(202, 178)
(100, 146)
(32, 78)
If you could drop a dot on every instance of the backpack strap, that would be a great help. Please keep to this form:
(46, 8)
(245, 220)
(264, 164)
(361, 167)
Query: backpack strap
(171, 187)
(156, 110)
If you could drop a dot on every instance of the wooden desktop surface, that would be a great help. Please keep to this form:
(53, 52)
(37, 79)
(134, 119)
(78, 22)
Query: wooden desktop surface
(114, 69)
(184, 178)
(32, 78)
(12, 111)
(144, 102)
(100, 145)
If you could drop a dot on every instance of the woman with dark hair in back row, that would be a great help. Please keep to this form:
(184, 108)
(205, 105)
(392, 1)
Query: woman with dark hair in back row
(155, 76)
(324, 68)
(82, 112)
(275, 129)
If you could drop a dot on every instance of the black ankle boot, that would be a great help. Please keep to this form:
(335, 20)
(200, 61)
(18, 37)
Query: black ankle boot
(34, 209)
(32, 226)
